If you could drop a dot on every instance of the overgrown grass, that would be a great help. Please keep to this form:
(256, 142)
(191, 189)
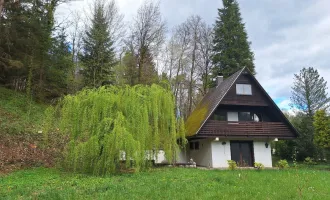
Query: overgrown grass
(18, 113)
(168, 183)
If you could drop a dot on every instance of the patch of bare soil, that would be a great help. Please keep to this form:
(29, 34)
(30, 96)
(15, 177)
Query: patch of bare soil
(28, 150)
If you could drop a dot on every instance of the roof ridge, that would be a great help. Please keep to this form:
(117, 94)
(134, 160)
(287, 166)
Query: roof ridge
(203, 110)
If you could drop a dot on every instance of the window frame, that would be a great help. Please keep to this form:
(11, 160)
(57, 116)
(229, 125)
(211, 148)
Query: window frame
(244, 87)
(220, 116)
(194, 145)
(244, 114)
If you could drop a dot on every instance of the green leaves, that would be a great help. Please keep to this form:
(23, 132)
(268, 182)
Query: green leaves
(322, 129)
(117, 128)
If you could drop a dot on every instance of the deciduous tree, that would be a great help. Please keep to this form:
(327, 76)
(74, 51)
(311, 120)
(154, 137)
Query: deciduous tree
(116, 128)
(147, 36)
(322, 129)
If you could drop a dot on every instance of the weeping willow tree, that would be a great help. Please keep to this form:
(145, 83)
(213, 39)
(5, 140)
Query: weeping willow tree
(117, 127)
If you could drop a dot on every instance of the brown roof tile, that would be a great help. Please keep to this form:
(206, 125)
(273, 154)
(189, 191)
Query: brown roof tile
(208, 104)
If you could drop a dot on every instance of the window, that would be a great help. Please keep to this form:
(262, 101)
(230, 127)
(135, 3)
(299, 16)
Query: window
(243, 89)
(249, 116)
(194, 145)
(220, 116)
(191, 145)
(232, 116)
(244, 116)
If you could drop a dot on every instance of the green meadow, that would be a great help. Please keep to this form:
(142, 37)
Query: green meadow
(168, 183)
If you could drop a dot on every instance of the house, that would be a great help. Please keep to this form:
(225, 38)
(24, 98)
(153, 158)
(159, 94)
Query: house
(237, 120)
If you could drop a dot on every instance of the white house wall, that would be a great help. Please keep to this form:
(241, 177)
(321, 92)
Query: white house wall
(214, 154)
(182, 156)
(220, 154)
(262, 154)
(160, 157)
(202, 156)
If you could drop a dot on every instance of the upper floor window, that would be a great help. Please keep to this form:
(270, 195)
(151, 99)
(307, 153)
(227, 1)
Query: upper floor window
(249, 116)
(220, 116)
(243, 89)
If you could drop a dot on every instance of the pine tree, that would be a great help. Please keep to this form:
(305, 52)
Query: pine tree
(231, 47)
(98, 52)
(309, 92)
(59, 68)
(25, 41)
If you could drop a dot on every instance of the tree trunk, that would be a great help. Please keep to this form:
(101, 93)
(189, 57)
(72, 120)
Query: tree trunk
(190, 92)
(2, 2)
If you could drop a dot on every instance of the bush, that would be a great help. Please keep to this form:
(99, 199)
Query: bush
(309, 161)
(232, 164)
(259, 166)
(295, 164)
(282, 164)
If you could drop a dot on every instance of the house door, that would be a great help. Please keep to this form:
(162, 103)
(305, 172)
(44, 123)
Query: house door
(242, 153)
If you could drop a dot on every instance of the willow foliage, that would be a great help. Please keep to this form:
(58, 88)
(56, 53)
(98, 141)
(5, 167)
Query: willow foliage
(117, 127)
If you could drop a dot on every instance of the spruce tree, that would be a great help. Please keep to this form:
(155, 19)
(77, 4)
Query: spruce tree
(98, 52)
(230, 45)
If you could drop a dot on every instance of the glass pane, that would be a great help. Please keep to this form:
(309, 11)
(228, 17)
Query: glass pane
(244, 89)
(246, 154)
(239, 89)
(220, 116)
(235, 151)
(232, 116)
(197, 145)
(244, 116)
(191, 145)
(247, 89)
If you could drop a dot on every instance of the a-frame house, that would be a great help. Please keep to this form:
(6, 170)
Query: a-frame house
(236, 120)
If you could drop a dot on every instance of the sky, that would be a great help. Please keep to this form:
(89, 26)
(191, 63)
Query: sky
(285, 35)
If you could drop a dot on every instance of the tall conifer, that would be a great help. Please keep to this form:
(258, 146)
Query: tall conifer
(230, 45)
(98, 52)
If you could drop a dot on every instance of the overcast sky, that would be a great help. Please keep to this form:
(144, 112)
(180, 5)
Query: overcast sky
(286, 35)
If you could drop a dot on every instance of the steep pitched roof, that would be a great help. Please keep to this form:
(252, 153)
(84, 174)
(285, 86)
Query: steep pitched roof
(213, 98)
(208, 104)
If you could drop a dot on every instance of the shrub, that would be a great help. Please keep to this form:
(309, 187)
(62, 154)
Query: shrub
(309, 161)
(282, 164)
(259, 166)
(232, 164)
(295, 164)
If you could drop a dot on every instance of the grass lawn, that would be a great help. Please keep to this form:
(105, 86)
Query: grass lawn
(168, 183)
(18, 114)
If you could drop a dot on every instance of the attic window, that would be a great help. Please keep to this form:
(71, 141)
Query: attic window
(243, 89)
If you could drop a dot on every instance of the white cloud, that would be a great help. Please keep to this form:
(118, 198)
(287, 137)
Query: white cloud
(285, 35)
